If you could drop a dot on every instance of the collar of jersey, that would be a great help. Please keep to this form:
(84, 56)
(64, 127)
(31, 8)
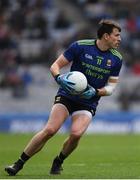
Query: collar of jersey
(100, 49)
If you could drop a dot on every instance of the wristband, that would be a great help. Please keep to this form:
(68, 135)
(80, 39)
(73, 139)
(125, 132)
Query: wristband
(96, 94)
(56, 76)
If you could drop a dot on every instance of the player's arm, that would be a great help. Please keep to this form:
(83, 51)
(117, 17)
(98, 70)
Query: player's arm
(105, 91)
(60, 62)
(110, 86)
(61, 80)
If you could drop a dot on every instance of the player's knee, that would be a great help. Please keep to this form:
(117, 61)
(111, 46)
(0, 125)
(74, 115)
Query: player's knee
(76, 135)
(49, 131)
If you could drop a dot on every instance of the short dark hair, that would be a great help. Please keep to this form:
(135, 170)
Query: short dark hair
(107, 26)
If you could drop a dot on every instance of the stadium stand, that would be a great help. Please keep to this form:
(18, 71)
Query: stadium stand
(34, 32)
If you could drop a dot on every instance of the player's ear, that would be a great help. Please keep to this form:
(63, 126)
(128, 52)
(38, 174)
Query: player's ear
(106, 36)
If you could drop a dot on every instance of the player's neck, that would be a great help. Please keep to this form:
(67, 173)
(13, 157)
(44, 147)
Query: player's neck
(101, 45)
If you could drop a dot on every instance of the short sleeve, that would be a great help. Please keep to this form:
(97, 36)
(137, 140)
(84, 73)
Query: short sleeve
(117, 68)
(71, 52)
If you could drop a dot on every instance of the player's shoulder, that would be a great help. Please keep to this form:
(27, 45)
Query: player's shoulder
(116, 53)
(87, 42)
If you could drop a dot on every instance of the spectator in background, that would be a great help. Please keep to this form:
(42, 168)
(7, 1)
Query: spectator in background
(62, 22)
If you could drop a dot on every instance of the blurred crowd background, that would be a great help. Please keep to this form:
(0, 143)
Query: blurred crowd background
(34, 32)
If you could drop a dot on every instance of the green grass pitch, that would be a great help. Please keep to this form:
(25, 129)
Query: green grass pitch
(97, 157)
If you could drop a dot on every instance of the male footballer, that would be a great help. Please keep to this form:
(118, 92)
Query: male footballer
(100, 62)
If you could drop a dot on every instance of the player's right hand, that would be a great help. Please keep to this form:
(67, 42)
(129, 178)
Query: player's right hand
(89, 93)
(66, 84)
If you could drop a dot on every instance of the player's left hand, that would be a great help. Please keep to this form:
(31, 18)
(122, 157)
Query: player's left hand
(66, 84)
(88, 93)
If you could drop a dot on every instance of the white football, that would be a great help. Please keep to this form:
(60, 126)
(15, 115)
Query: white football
(80, 81)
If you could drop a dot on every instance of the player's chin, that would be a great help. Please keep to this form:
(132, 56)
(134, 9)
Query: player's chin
(116, 45)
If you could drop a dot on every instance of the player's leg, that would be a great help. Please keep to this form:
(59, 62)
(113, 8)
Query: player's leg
(80, 122)
(57, 116)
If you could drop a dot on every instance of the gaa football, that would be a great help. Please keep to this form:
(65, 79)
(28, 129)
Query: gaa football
(80, 81)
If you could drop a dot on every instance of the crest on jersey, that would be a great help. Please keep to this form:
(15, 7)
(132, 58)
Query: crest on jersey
(109, 63)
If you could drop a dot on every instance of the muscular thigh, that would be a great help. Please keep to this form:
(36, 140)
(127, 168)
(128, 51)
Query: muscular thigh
(57, 116)
(80, 122)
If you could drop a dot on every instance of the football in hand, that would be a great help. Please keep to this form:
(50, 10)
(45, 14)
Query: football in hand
(79, 80)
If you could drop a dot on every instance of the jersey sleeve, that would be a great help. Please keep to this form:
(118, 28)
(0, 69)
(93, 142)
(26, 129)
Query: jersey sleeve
(71, 52)
(116, 70)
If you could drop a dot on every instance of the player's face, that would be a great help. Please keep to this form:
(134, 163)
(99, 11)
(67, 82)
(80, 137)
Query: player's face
(114, 39)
